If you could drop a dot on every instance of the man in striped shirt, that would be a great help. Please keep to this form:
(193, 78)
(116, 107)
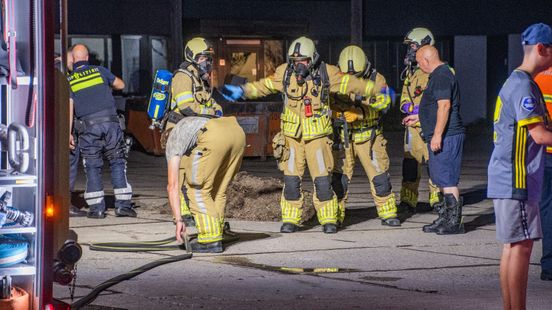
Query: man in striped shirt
(517, 164)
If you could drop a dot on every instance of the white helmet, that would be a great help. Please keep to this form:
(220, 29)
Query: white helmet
(419, 36)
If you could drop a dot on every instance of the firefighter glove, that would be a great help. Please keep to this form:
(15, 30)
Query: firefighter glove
(281, 151)
(352, 115)
(410, 108)
(232, 92)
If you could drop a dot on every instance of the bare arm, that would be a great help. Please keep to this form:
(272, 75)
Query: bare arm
(540, 134)
(118, 84)
(174, 194)
(443, 110)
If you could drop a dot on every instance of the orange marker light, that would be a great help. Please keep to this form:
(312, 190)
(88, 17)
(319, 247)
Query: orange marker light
(50, 206)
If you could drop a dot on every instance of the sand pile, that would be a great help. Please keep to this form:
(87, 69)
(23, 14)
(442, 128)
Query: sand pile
(255, 198)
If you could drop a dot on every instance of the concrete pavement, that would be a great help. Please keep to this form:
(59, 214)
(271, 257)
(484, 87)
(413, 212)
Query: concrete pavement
(365, 265)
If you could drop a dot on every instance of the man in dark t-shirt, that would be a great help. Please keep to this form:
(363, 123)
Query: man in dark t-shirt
(443, 130)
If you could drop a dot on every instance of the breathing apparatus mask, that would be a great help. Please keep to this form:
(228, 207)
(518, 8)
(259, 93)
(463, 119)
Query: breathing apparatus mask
(410, 57)
(302, 59)
(301, 72)
(205, 67)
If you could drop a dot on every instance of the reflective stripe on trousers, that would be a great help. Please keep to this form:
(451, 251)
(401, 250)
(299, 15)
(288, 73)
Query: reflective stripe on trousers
(94, 198)
(209, 229)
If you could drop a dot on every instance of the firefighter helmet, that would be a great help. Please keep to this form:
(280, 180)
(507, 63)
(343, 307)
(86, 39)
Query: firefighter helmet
(353, 60)
(302, 48)
(197, 47)
(419, 36)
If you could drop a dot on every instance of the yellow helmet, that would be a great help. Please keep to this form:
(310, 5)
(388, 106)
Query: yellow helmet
(419, 36)
(196, 47)
(302, 48)
(353, 60)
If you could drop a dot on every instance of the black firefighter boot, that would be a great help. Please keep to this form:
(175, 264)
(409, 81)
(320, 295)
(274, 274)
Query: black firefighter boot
(329, 228)
(210, 247)
(453, 223)
(442, 211)
(288, 228)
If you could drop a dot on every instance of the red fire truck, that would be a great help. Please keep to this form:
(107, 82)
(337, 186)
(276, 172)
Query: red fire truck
(34, 133)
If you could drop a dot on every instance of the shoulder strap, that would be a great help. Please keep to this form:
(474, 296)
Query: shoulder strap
(324, 78)
(325, 81)
(373, 75)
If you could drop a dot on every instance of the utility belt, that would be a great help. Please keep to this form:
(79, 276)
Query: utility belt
(81, 124)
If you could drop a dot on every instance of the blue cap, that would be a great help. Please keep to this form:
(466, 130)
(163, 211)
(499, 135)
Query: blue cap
(537, 33)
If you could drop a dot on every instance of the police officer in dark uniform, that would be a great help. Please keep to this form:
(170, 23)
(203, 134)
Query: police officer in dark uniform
(100, 134)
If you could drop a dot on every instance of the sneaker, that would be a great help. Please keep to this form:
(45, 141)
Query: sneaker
(96, 214)
(76, 212)
(125, 212)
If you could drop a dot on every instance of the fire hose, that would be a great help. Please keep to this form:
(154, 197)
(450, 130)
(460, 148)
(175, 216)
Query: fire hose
(143, 246)
(157, 245)
(126, 276)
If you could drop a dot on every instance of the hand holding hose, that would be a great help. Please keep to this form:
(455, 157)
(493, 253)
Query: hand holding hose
(180, 230)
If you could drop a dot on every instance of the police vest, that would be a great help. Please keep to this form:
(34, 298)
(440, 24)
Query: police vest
(91, 91)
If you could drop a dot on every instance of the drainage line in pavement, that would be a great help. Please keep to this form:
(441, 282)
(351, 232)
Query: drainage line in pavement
(460, 255)
(126, 276)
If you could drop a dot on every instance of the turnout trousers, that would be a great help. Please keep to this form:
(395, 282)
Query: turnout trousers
(375, 161)
(211, 166)
(315, 154)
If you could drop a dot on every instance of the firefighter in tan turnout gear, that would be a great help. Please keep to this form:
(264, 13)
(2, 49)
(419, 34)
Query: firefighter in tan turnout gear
(415, 149)
(214, 148)
(306, 85)
(357, 126)
(190, 96)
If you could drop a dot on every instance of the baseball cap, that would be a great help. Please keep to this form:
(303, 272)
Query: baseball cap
(537, 33)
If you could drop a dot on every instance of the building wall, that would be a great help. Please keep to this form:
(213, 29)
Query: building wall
(383, 18)
(470, 59)
(119, 17)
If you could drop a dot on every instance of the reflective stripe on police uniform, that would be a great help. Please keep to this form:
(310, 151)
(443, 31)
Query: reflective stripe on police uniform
(85, 79)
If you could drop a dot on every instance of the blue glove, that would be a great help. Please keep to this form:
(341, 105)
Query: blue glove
(218, 113)
(388, 91)
(232, 92)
